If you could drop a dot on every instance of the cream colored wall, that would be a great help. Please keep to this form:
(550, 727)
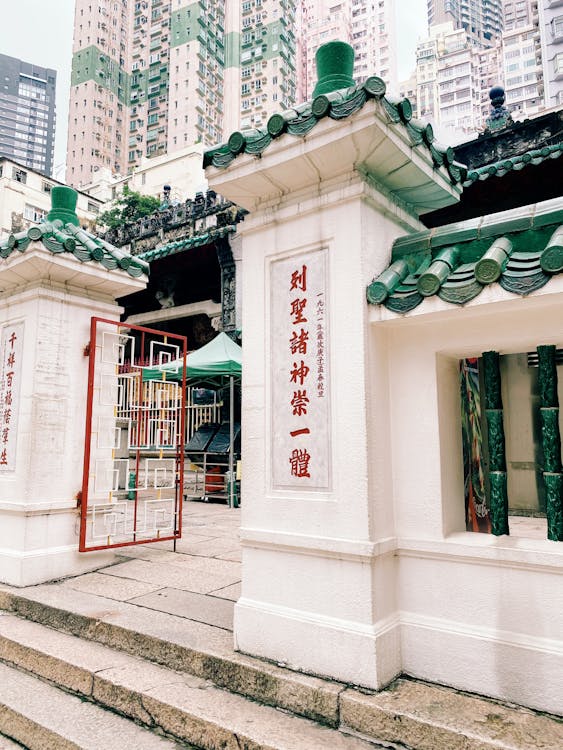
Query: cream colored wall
(329, 553)
(478, 612)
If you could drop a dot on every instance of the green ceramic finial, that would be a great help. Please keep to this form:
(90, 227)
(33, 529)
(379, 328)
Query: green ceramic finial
(63, 205)
(335, 65)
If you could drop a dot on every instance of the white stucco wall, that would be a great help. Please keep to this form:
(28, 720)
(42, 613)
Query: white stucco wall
(314, 562)
(55, 298)
(478, 612)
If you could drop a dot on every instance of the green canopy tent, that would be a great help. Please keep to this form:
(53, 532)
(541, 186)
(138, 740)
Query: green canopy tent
(215, 365)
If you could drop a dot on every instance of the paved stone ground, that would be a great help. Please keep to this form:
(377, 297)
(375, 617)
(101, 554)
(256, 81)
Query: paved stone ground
(199, 582)
(174, 611)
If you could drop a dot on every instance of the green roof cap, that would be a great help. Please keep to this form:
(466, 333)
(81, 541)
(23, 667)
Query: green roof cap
(63, 205)
(335, 65)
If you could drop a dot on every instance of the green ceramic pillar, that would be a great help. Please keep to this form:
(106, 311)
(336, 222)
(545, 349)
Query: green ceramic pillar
(551, 442)
(497, 453)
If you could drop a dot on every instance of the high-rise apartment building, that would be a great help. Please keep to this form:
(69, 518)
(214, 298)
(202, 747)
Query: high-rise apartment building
(27, 113)
(551, 30)
(522, 67)
(98, 116)
(455, 75)
(264, 61)
(369, 26)
(154, 76)
(453, 79)
(481, 19)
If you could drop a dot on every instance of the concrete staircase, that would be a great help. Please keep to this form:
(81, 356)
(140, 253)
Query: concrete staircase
(81, 671)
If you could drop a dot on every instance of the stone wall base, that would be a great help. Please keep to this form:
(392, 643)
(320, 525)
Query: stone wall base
(42, 545)
(324, 646)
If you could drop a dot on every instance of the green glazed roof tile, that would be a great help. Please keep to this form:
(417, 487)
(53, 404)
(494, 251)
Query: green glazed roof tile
(516, 220)
(532, 254)
(548, 212)
(455, 233)
(500, 168)
(171, 248)
(337, 105)
(57, 238)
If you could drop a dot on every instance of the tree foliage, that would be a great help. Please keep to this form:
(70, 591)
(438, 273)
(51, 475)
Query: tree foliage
(127, 208)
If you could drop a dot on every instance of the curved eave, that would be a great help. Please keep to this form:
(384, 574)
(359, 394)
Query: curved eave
(71, 241)
(366, 142)
(518, 251)
(500, 168)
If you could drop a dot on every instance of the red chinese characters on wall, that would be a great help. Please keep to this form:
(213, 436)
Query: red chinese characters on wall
(300, 457)
(300, 392)
(10, 371)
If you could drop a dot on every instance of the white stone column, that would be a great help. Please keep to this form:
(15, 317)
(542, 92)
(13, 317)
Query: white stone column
(319, 571)
(48, 301)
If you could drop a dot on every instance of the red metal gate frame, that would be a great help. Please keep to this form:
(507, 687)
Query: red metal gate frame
(179, 454)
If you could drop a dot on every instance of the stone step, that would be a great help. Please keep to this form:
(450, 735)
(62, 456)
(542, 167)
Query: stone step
(7, 744)
(409, 713)
(41, 717)
(175, 642)
(188, 708)
(430, 717)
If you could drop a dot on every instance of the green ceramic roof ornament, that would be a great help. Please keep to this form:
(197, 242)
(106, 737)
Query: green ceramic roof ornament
(63, 205)
(61, 233)
(335, 65)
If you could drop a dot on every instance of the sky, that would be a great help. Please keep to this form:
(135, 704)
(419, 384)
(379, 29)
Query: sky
(40, 32)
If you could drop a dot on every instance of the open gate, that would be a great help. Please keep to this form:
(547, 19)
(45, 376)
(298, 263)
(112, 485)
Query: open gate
(134, 445)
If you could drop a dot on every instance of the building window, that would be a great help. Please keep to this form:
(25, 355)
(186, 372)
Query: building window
(19, 175)
(32, 213)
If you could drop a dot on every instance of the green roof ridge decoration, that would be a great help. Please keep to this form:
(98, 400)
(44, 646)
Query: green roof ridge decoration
(335, 65)
(177, 246)
(500, 168)
(61, 233)
(521, 249)
(338, 96)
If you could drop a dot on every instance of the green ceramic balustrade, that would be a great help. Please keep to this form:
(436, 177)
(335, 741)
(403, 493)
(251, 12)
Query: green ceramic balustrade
(497, 451)
(551, 441)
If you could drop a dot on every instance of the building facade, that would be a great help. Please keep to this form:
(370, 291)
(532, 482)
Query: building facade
(450, 79)
(481, 19)
(369, 27)
(454, 75)
(98, 118)
(27, 113)
(551, 30)
(150, 78)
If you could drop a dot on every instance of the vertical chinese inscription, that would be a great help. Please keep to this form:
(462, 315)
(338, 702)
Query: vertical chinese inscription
(300, 384)
(11, 355)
